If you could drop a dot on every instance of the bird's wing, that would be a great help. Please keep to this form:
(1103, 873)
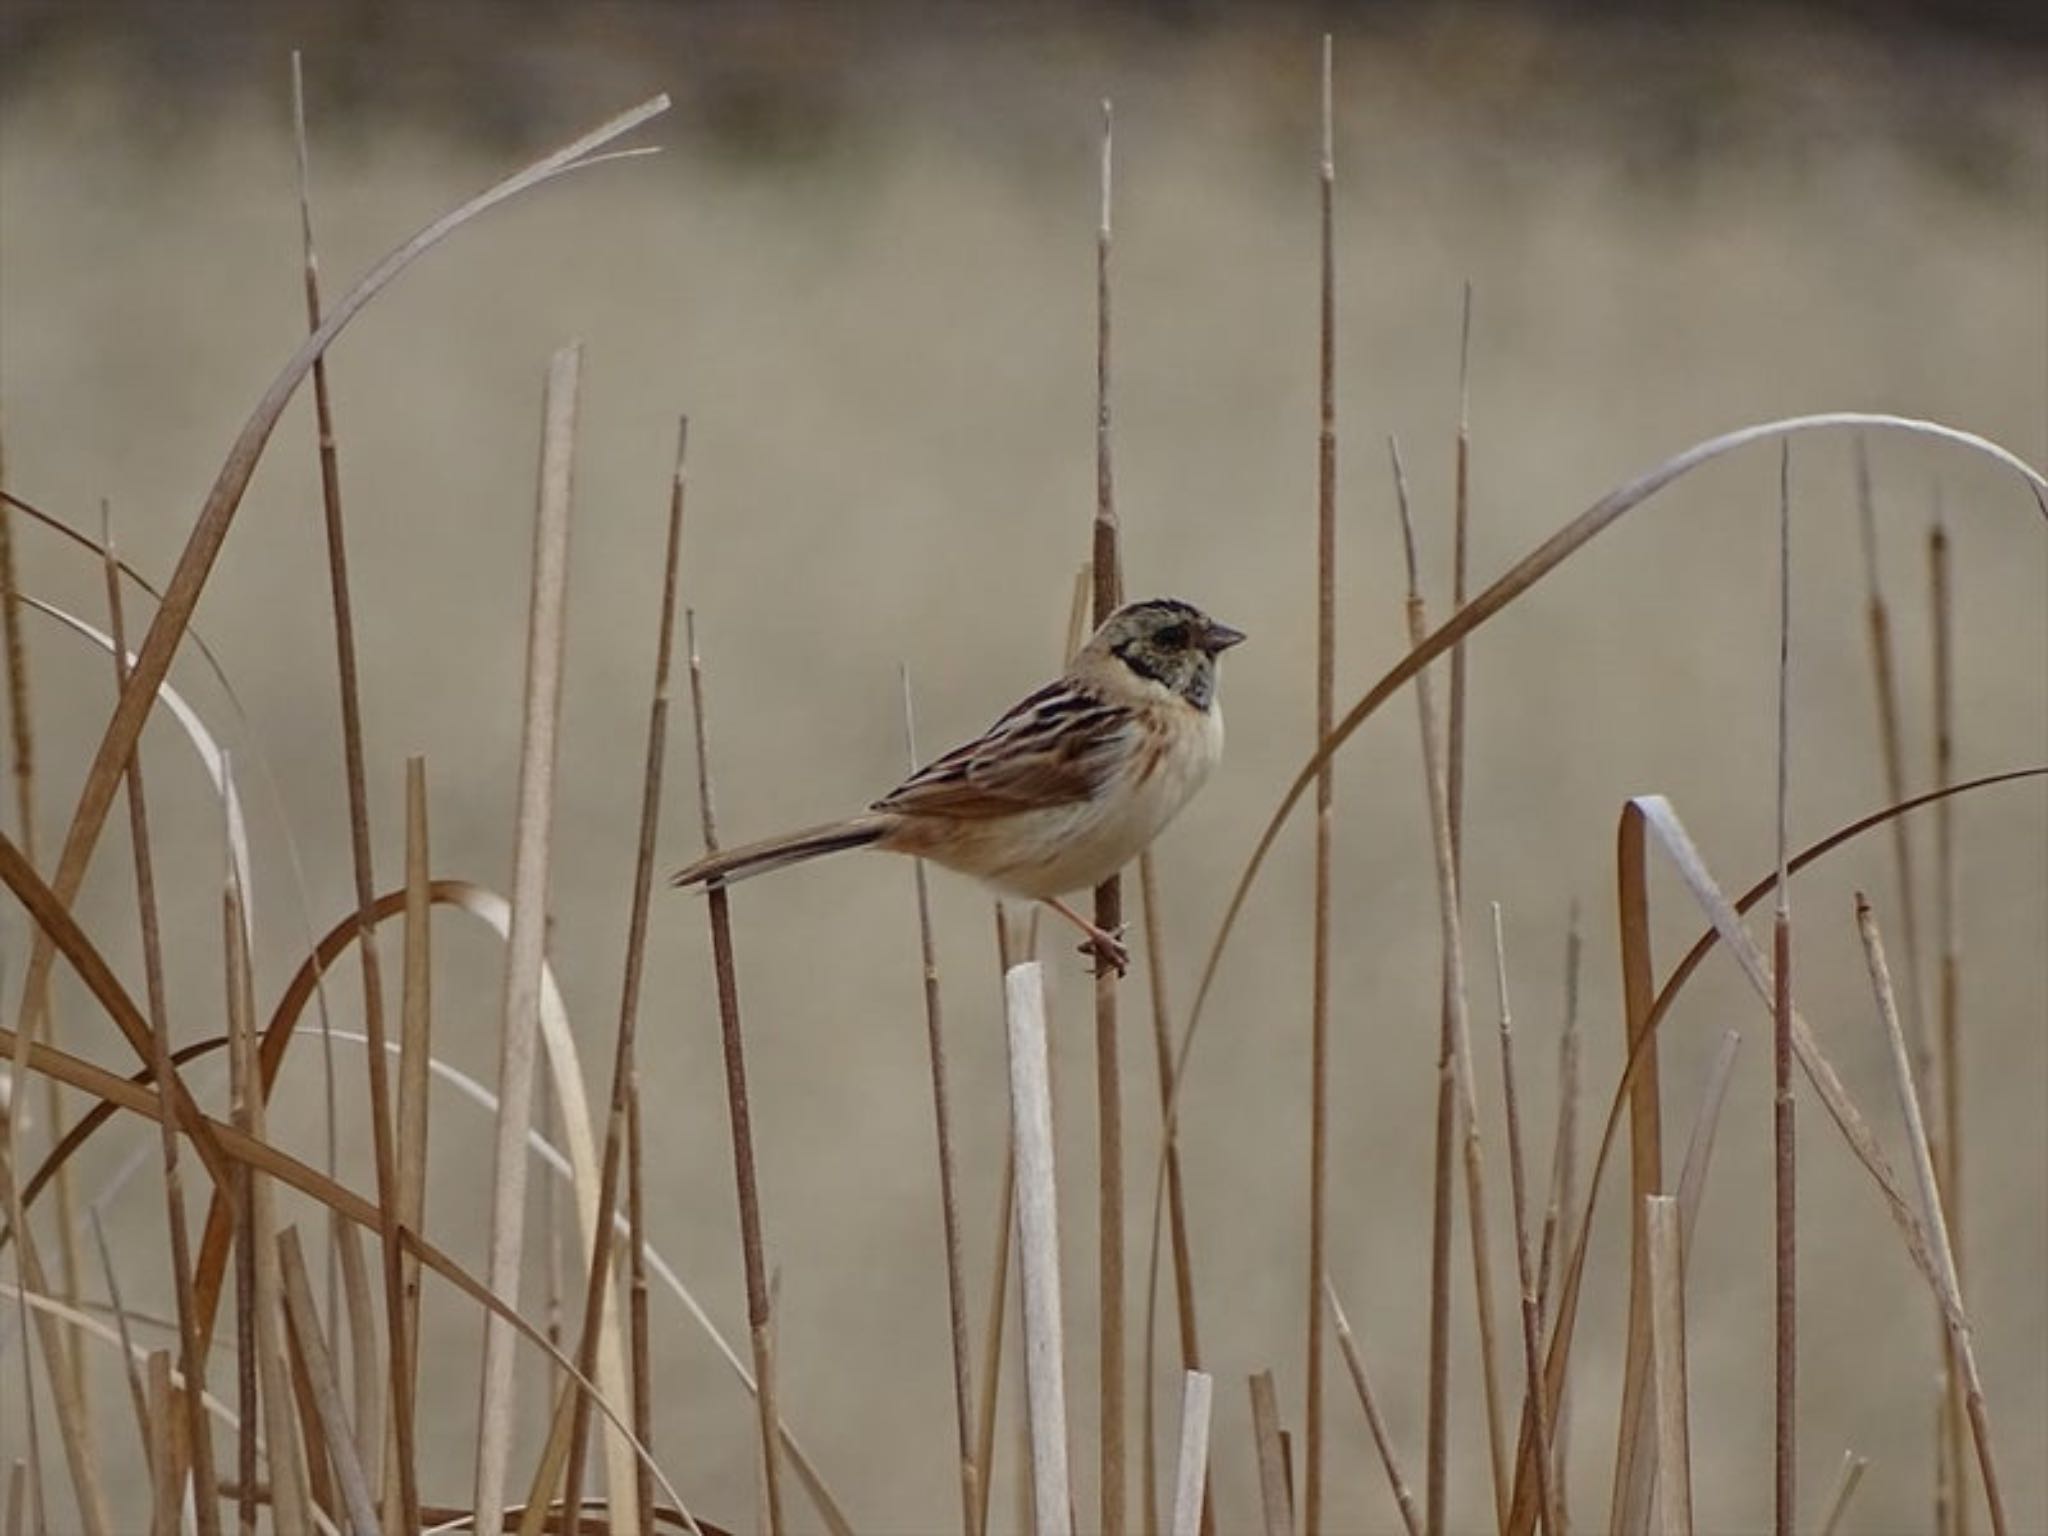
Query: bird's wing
(1054, 748)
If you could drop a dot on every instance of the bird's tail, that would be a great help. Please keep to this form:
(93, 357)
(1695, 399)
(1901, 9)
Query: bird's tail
(773, 853)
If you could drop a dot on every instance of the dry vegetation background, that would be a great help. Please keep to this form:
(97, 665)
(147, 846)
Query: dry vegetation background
(863, 265)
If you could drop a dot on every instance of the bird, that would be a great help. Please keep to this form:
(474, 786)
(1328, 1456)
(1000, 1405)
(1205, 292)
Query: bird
(1064, 789)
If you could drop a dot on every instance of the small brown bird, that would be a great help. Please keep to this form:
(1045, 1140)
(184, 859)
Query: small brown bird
(1065, 789)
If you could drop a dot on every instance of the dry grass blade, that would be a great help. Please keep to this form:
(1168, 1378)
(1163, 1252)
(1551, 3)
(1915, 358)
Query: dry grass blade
(1326, 707)
(998, 1284)
(1724, 926)
(1454, 1077)
(1853, 1468)
(250, 1152)
(1784, 1181)
(138, 1396)
(257, 1237)
(1038, 1242)
(1557, 1233)
(1937, 1221)
(161, 1424)
(415, 1054)
(191, 1356)
(597, 1286)
(527, 949)
(1276, 1495)
(369, 1381)
(1354, 1358)
(1191, 1466)
(718, 905)
(1667, 1329)
(382, 1140)
(195, 563)
(1532, 1322)
(326, 1387)
(1519, 578)
(1107, 565)
(36, 1006)
(949, 1204)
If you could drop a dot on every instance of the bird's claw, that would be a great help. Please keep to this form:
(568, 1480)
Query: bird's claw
(1110, 952)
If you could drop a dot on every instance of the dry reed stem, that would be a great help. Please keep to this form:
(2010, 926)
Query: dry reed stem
(999, 1276)
(326, 1387)
(52, 1335)
(1354, 1358)
(159, 1415)
(642, 1333)
(195, 563)
(1563, 1196)
(1276, 1500)
(349, 686)
(259, 1235)
(1454, 1069)
(1947, 1149)
(1107, 566)
(949, 1204)
(416, 1015)
(1326, 705)
(1784, 1182)
(192, 1358)
(17, 1480)
(598, 1288)
(1534, 1398)
(1191, 1466)
(1933, 1214)
(368, 1381)
(718, 904)
(526, 950)
(1461, 529)
(1038, 1246)
(1176, 1194)
(1853, 1468)
(1667, 1332)
(138, 1398)
(36, 1004)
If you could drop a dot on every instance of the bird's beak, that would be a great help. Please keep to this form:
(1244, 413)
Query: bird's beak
(1220, 637)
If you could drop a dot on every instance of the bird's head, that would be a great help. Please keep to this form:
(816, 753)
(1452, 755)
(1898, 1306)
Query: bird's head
(1165, 641)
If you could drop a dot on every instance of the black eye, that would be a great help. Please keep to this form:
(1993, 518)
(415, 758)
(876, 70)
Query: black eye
(1174, 637)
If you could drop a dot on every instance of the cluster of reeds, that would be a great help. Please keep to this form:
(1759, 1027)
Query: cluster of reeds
(315, 1426)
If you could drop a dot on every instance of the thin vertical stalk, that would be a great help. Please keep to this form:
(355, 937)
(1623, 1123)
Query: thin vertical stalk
(381, 1137)
(642, 1341)
(1457, 1106)
(1532, 1322)
(1947, 1068)
(325, 1388)
(39, 1017)
(1109, 917)
(527, 944)
(1784, 1183)
(598, 1289)
(1191, 1474)
(138, 1397)
(1558, 1232)
(1932, 1212)
(191, 1356)
(1461, 520)
(1326, 697)
(1276, 1502)
(739, 1115)
(415, 1055)
(998, 1306)
(949, 1205)
(1176, 1194)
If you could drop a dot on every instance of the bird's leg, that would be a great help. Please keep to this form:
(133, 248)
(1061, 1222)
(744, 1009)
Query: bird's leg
(1107, 948)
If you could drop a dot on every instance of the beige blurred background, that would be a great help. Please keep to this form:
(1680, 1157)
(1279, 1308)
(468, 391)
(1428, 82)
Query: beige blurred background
(863, 265)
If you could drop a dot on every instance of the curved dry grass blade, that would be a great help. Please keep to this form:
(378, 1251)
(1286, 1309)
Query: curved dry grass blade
(261, 1157)
(1524, 574)
(1523, 1511)
(195, 563)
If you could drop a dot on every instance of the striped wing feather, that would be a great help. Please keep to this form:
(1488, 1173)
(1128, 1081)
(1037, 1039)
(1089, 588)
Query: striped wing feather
(1054, 748)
